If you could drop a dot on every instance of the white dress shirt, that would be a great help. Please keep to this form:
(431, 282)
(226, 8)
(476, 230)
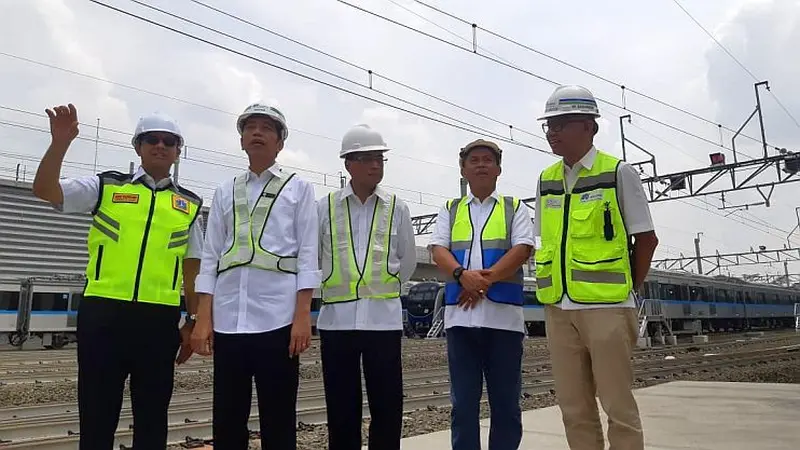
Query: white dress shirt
(368, 313)
(486, 313)
(253, 300)
(633, 205)
(81, 194)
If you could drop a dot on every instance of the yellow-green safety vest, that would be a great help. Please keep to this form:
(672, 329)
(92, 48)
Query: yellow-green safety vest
(248, 227)
(585, 247)
(495, 239)
(346, 281)
(138, 239)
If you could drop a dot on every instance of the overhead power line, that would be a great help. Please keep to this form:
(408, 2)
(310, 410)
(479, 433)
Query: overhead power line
(547, 80)
(199, 105)
(371, 73)
(465, 126)
(725, 49)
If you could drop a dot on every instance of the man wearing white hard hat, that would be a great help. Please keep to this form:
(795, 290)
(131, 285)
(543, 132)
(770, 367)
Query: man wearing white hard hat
(480, 243)
(595, 242)
(144, 243)
(259, 269)
(367, 251)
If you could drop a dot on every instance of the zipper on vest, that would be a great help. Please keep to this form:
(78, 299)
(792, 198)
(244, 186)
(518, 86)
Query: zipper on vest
(175, 273)
(98, 262)
(565, 229)
(144, 246)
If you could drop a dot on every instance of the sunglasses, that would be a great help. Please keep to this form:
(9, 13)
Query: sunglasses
(152, 139)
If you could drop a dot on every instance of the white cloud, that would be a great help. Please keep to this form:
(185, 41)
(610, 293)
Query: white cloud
(653, 48)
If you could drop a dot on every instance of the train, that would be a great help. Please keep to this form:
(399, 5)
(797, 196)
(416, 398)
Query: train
(674, 302)
(671, 302)
(53, 303)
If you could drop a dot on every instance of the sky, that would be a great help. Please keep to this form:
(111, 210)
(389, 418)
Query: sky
(116, 68)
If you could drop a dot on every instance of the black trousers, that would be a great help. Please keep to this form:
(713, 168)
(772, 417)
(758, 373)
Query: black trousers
(117, 339)
(238, 358)
(342, 352)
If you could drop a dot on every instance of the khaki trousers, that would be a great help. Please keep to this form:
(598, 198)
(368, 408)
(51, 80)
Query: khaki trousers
(590, 351)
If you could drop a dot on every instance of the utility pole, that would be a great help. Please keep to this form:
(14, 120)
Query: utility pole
(786, 272)
(177, 169)
(697, 252)
(463, 185)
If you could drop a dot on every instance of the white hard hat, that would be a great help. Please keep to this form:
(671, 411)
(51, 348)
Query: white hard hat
(260, 109)
(362, 138)
(571, 99)
(157, 121)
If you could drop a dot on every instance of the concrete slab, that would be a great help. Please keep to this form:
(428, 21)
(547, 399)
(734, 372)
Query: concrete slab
(677, 415)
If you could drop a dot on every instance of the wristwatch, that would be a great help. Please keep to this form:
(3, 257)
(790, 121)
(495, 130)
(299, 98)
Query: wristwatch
(457, 273)
(191, 318)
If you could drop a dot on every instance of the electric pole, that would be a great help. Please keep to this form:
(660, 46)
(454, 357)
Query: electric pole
(463, 184)
(697, 252)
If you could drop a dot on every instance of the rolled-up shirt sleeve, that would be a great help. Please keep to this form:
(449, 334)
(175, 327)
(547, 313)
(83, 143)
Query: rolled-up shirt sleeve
(521, 227)
(195, 248)
(441, 232)
(635, 207)
(80, 194)
(306, 222)
(212, 247)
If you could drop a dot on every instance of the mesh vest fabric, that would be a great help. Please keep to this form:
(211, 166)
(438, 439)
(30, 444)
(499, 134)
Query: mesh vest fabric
(346, 282)
(249, 226)
(495, 243)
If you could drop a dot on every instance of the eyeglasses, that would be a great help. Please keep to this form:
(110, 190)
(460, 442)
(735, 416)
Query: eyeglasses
(152, 139)
(369, 158)
(556, 127)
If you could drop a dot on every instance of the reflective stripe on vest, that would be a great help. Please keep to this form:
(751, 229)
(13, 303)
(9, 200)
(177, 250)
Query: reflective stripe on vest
(248, 228)
(495, 242)
(346, 282)
(584, 251)
(138, 239)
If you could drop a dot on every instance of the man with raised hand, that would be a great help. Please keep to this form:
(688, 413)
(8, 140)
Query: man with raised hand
(144, 243)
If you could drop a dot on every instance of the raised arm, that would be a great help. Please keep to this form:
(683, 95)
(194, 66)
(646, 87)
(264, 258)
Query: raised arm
(63, 130)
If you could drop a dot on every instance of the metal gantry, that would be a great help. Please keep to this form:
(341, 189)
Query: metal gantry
(719, 260)
(720, 178)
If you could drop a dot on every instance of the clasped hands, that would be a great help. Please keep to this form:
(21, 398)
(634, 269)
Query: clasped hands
(475, 283)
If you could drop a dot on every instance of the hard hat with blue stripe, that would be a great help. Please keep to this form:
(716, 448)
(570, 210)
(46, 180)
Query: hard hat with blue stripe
(570, 100)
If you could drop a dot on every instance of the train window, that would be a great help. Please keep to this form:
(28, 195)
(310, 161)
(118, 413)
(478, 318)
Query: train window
(697, 294)
(760, 298)
(669, 292)
(748, 299)
(9, 301)
(739, 297)
(76, 301)
(50, 301)
(721, 296)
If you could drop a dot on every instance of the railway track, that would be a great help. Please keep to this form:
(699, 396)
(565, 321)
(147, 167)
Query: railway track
(64, 369)
(45, 427)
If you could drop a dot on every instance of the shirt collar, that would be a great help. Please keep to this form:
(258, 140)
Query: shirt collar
(347, 191)
(471, 197)
(587, 161)
(147, 179)
(273, 171)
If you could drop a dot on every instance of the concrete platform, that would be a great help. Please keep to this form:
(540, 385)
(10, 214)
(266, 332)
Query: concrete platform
(677, 415)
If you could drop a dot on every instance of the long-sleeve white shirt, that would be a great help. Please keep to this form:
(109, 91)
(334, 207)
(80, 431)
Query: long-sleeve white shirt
(253, 300)
(368, 313)
(486, 313)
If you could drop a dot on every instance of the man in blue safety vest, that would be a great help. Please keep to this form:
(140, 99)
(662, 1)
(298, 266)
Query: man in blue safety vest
(480, 242)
